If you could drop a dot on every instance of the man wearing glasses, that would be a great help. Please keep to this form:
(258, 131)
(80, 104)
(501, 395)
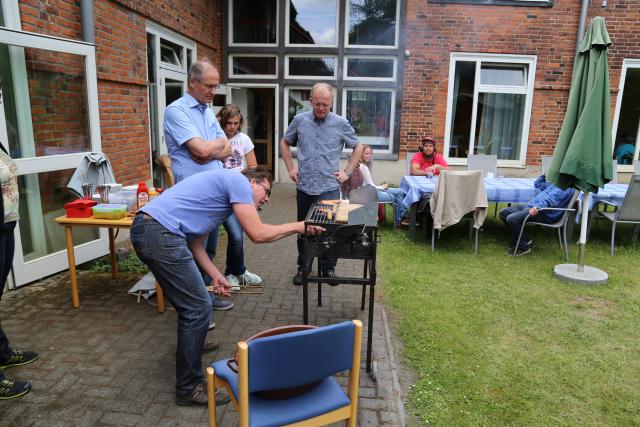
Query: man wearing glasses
(320, 137)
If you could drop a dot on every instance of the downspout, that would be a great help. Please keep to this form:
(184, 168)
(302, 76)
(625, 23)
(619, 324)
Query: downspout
(86, 10)
(584, 8)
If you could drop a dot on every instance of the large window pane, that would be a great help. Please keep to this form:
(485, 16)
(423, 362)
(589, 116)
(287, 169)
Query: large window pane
(52, 118)
(298, 102)
(42, 199)
(369, 112)
(372, 22)
(462, 110)
(312, 22)
(628, 119)
(254, 65)
(499, 124)
(312, 66)
(370, 68)
(254, 21)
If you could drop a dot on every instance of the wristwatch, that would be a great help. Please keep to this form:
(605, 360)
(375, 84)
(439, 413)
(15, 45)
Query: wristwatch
(347, 172)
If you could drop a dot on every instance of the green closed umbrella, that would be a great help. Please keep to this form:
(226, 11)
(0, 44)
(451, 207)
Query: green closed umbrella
(583, 155)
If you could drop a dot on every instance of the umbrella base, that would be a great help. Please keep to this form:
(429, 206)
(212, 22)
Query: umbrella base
(590, 275)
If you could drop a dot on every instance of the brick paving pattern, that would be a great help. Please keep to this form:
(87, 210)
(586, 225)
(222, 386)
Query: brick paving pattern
(111, 362)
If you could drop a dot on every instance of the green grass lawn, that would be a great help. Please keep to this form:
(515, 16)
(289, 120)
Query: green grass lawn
(498, 340)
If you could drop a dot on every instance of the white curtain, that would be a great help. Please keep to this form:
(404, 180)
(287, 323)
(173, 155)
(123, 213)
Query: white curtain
(499, 130)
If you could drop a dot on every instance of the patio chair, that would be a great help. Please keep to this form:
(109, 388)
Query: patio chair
(305, 360)
(457, 196)
(560, 225)
(629, 210)
(487, 163)
(636, 167)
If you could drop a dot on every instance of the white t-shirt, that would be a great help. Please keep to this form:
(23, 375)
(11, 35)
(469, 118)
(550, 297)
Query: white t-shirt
(366, 176)
(240, 145)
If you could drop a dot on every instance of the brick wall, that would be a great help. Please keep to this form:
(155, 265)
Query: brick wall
(120, 40)
(435, 30)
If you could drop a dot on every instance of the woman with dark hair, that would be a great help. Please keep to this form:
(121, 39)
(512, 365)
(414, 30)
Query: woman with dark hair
(242, 156)
(9, 388)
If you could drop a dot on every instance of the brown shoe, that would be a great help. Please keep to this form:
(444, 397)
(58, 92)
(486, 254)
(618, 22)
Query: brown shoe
(198, 397)
(210, 346)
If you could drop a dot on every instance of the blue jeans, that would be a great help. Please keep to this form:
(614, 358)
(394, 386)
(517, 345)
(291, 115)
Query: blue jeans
(304, 202)
(235, 247)
(169, 258)
(396, 196)
(513, 217)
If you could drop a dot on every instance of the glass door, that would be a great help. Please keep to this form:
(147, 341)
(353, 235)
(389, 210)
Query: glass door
(49, 121)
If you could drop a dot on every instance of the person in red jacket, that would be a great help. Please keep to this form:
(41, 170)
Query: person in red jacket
(428, 161)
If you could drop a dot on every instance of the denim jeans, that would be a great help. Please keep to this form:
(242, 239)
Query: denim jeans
(304, 202)
(513, 217)
(235, 247)
(396, 196)
(7, 248)
(169, 258)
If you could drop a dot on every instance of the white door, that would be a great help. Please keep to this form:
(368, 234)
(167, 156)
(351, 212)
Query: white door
(171, 86)
(50, 121)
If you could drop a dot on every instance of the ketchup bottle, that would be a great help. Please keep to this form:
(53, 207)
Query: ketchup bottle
(142, 195)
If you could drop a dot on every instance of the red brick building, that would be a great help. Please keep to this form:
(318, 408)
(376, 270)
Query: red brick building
(482, 76)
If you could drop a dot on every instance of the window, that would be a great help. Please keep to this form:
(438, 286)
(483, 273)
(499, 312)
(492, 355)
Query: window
(256, 66)
(362, 68)
(297, 101)
(312, 22)
(626, 125)
(253, 22)
(311, 66)
(489, 106)
(371, 113)
(372, 23)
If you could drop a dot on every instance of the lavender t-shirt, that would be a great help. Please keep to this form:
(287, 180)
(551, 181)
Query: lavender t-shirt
(199, 203)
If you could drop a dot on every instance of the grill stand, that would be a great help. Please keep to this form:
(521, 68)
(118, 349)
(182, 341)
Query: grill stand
(310, 251)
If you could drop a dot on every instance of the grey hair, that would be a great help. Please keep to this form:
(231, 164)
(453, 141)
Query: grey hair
(196, 70)
(322, 85)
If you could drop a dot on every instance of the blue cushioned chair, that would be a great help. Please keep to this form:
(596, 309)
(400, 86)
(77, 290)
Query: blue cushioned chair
(291, 360)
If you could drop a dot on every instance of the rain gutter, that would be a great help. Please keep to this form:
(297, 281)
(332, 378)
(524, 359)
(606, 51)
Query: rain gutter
(86, 10)
(584, 8)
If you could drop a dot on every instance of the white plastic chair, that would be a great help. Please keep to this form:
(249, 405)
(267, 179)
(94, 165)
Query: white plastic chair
(545, 162)
(629, 211)
(487, 163)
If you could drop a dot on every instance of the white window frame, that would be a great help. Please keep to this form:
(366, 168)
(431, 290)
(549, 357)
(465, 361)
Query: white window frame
(626, 64)
(286, 66)
(394, 59)
(163, 33)
(230, 34)
(530, 61)
(232, 75)
(392, 116)
(287, 25)
(370, 46)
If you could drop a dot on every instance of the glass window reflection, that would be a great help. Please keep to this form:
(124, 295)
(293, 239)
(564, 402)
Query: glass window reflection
(372, 22)
(255, 22)
(369, 112)
(312, 22)
(323, 66)
(370, 68)
(254, 65)
(298, 102)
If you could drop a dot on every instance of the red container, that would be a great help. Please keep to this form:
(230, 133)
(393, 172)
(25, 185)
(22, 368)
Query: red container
(80, 208)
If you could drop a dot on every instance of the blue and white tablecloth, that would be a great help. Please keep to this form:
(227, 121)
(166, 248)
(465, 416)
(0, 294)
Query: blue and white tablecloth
(611, 193)
(503, 190)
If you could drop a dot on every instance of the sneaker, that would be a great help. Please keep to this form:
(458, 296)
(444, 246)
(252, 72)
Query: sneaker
(528, 244)
(234, 282)
(330, 273)
(222, 304)
(198, 397)
(19, 358)
(297, 279)
(10, 388)
(250, 279)
(519, 252)
(210, 346)
(212, 325)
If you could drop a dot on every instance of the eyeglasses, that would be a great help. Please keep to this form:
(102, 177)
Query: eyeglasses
(266, 189)
(319, 105)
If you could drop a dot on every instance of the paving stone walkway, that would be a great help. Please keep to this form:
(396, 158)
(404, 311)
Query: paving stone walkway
(111, 361)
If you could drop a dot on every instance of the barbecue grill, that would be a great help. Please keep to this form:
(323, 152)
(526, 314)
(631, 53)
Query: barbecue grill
(354, 239)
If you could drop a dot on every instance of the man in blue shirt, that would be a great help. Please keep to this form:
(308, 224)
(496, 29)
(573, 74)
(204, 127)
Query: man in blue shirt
(549, 196)
(168, 235)
(320, 137)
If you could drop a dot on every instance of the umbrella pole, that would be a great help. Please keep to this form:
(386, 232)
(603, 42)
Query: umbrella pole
(579, 273)
(583, 231)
